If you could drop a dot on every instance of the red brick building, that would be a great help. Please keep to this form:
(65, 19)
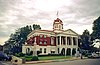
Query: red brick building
(56, 41)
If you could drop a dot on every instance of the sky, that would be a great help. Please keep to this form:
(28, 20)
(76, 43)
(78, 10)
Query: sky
(77, 15)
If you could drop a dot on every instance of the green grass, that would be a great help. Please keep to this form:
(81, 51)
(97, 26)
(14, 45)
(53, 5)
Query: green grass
(30, 58)
(53, 57)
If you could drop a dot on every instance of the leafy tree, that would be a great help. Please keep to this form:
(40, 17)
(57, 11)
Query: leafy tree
(96, 29)
(14, 43)
(85, 39)
(35, 26)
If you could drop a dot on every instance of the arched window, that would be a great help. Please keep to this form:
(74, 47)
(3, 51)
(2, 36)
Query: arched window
(52, 40)
(27, 50)
(59, 27)
(68, 51)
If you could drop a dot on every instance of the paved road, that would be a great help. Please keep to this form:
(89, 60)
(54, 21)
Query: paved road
(75, 62)
(5, 63)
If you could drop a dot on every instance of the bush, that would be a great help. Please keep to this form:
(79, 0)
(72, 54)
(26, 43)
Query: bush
(35, 58)
(28, 59)
(28, 56)
(20, 55)
(31, 58)
(50, 55)
(17, 55)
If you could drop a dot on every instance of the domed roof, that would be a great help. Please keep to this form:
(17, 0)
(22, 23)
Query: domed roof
(58, 20)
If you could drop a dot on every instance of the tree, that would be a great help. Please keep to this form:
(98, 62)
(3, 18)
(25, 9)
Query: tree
(96, 29)
(85, 39)
(17, 39)
(36, 27)
(14, 44)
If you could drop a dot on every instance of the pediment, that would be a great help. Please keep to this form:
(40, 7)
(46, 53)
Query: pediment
(70, 32)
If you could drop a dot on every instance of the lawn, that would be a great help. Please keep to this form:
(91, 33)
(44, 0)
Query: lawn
(53, 57)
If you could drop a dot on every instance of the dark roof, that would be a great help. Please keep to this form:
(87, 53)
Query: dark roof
(58, 20)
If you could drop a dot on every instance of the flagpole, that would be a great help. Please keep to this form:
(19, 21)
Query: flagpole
(57, 14)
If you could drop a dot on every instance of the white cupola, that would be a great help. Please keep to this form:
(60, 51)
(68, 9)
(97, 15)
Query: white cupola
(57, 25)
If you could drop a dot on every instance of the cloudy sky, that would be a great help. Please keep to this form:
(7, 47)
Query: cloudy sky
(77, 15)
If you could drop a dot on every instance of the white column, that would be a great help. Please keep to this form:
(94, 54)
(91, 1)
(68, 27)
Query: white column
(48, 49)
(60, 45)
(72, 41)
(60, 40)
(71, 51)
(65, 52)
(34, 51)
(56, 44)
(76, 41)
(56, 40)
(66, 40)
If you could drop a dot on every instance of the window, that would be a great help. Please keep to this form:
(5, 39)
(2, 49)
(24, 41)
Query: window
(45, 36)
(40, 42)
(40, 50)
(52, 40)
(45, 42)
(28, 50)
(64, 40)
(52, 52)
(57, 26)
(41, 36)
(69, 40)
(74, 41)
(44, 50)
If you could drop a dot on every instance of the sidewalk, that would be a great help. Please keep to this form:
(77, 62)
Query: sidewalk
(58, 60)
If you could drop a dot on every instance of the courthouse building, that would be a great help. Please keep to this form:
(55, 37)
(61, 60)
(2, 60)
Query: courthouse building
(56, 41)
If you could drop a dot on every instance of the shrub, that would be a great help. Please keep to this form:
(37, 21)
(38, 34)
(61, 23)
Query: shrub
(50, 55)
(31, 58)
(19, 54)
(35, 58)
(28, 59)
(27, 56)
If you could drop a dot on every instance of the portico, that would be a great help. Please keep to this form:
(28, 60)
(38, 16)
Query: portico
(67, 44)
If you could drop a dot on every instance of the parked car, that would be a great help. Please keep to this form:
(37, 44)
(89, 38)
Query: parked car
(3, 57)
(93, 55)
